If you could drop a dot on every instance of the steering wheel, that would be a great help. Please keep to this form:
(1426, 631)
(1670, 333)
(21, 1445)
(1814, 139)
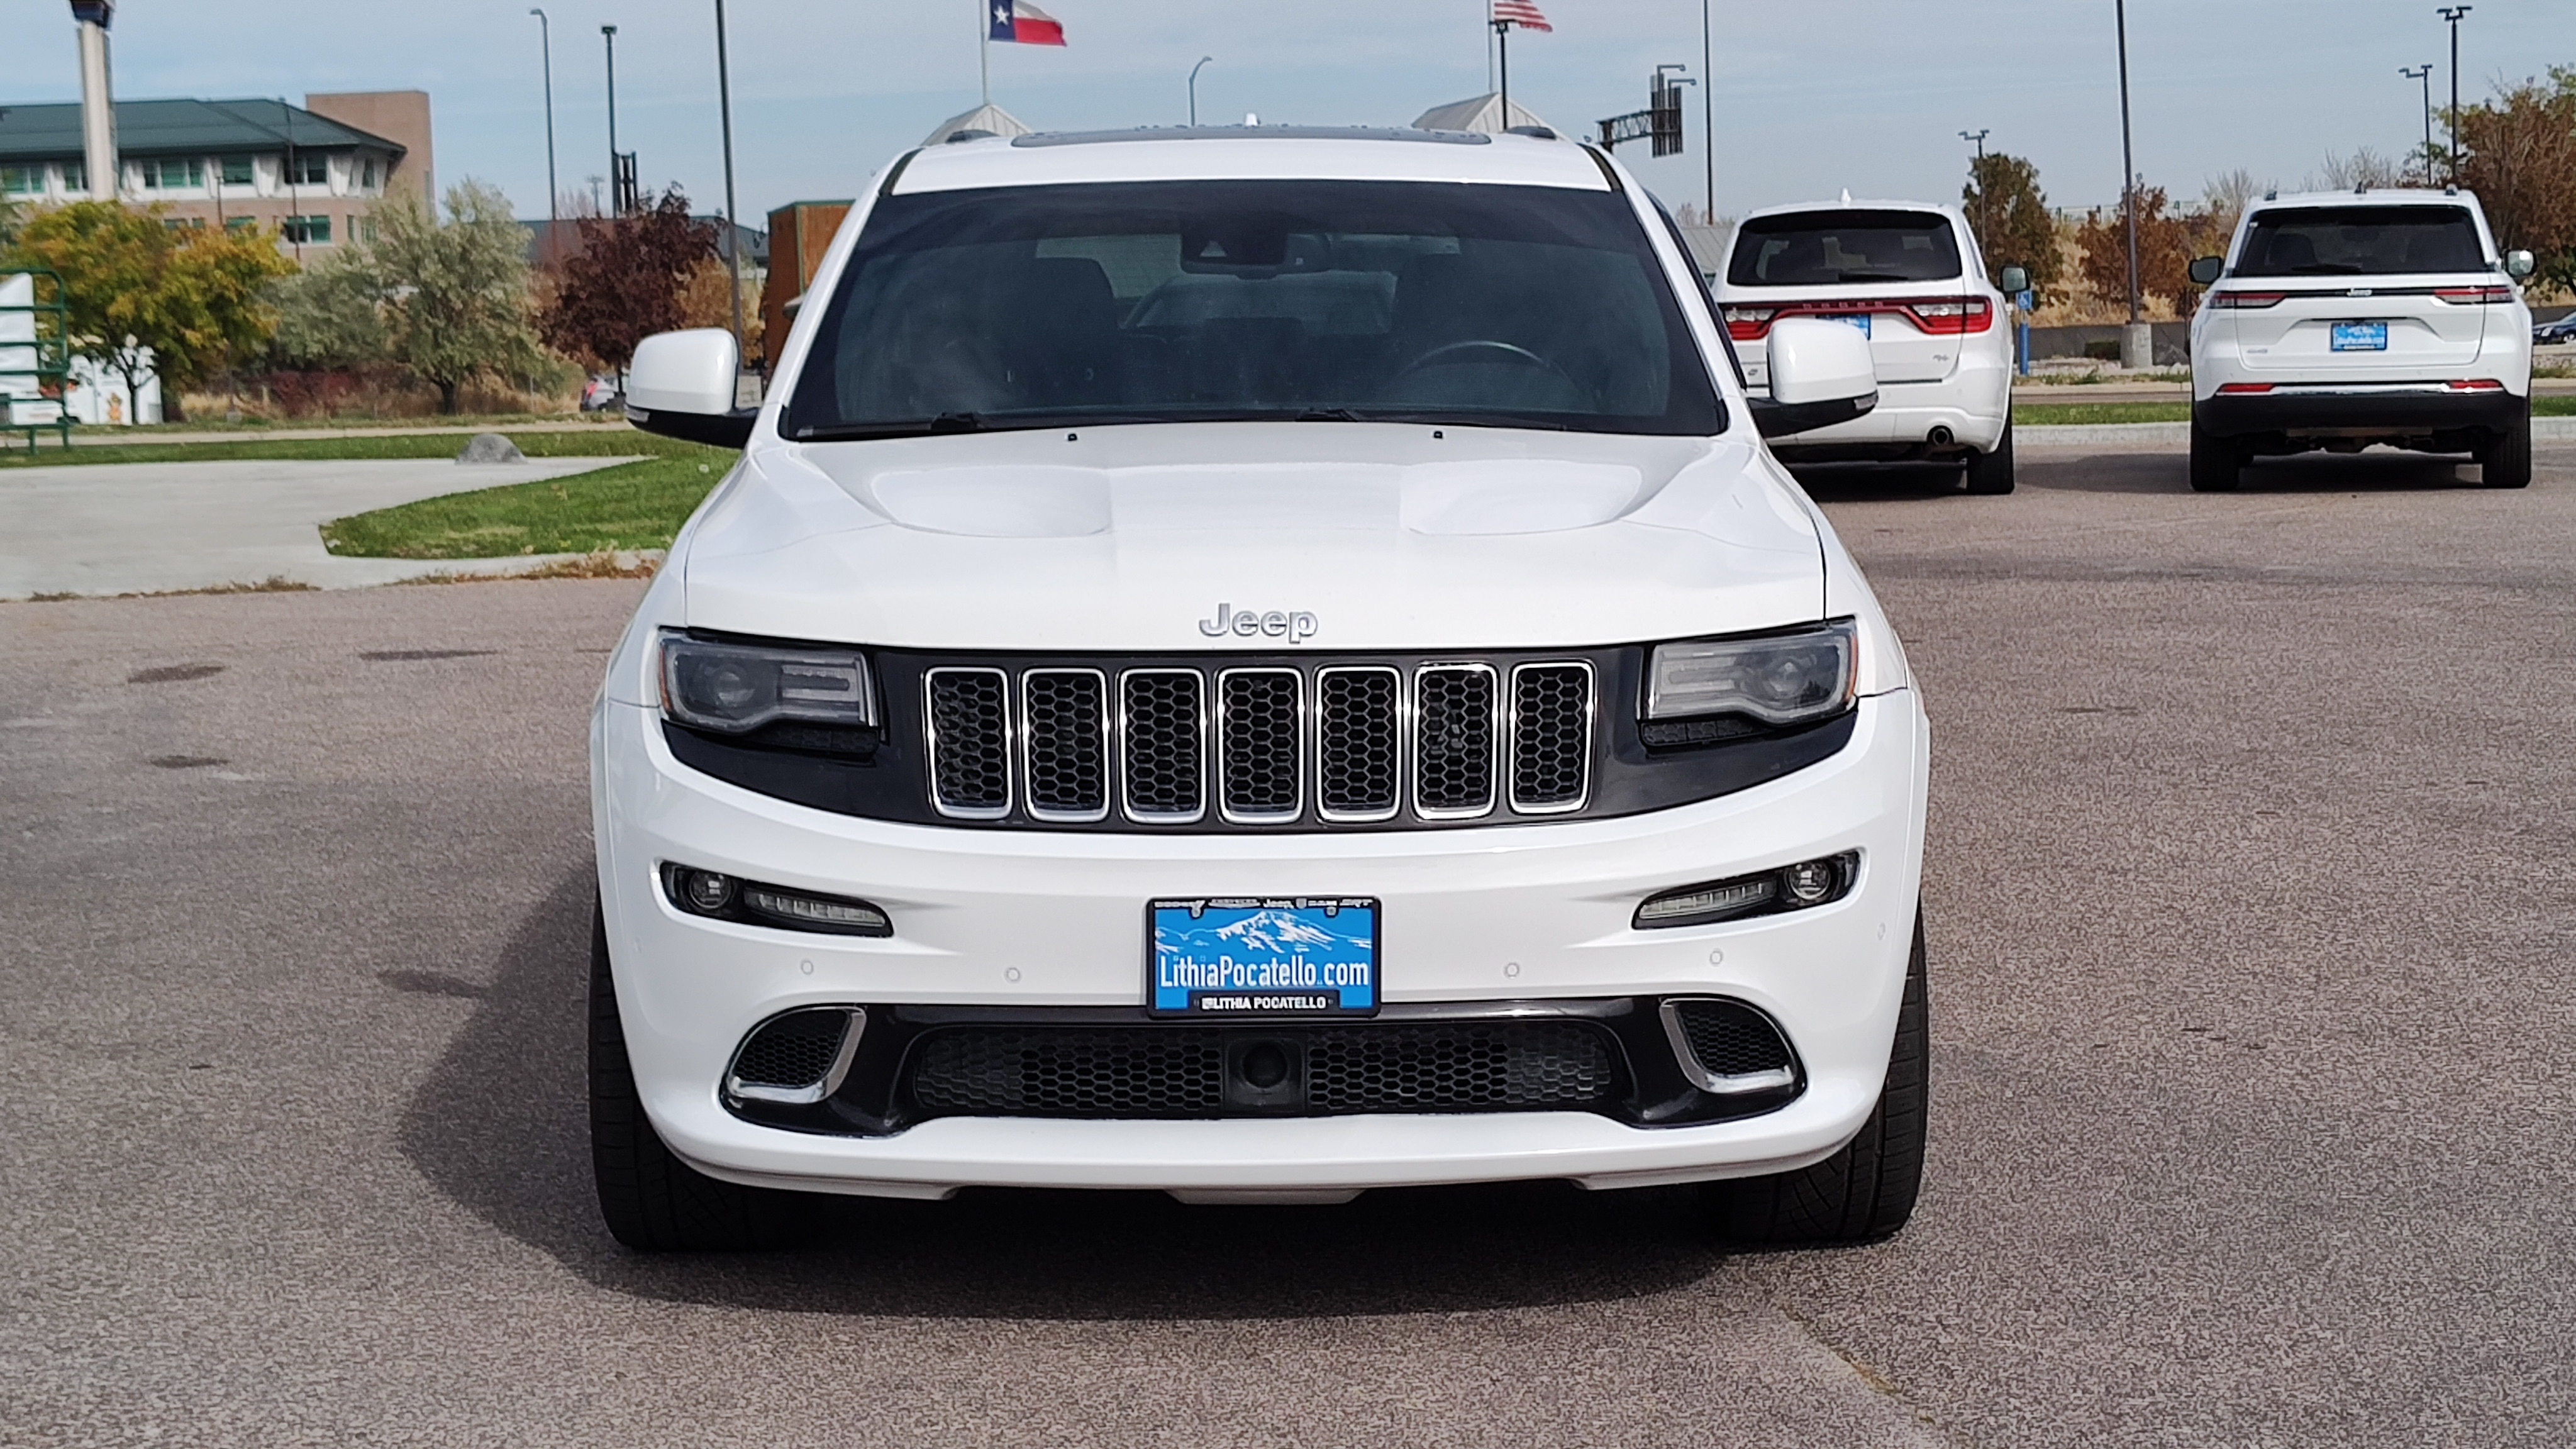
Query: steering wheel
(1514, 353)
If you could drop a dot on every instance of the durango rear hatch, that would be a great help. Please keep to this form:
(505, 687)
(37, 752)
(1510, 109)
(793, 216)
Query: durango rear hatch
(2371, 294)
(1895, 274)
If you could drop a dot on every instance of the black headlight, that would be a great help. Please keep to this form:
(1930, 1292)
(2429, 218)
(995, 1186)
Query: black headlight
(734, 688)
(1779, 679)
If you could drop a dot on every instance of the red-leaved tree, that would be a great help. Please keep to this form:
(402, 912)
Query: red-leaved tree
(627, 281)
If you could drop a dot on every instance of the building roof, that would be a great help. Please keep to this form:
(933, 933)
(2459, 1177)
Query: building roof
(1476, 113)
(988, 118)
(52, 131)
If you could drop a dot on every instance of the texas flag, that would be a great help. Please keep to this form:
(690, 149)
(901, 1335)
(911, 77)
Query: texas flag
(1017, 22)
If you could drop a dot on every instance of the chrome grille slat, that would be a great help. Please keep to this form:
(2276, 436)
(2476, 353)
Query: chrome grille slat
(1260, 734)
(1359, 743)
(1456, 744)
(969, 721)
(1064, 718)
(1551, 737)
(1162, 745)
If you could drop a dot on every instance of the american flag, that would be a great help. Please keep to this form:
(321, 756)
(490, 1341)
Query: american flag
(1522, 13)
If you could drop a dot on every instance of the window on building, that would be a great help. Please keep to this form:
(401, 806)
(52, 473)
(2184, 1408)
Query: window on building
(22, 180)
(184, 223)
(75, 176)
(172, 173)
(370, 177)
(238, 171)
(308, 231)
(308, 168)
(240, 223)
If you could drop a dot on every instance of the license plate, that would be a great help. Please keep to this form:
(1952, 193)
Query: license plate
(1263, 956)
(2360, 337)
(1857, 319)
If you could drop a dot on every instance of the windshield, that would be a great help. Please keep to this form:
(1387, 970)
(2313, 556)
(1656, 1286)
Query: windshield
(1826, 248)
(2361, 241)
(1502, 306)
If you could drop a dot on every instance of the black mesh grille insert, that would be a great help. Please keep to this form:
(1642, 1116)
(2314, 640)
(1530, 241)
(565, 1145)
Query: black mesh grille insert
(1551, 735)
(1456, 1066)
(970, 764)
(1069, 1072)
(796, 1050)
(1356, 767)
(1453, 739)
(1161, 747)
(1068, 743)
(1731, 1039)
(1257, 742)
(1180, 1071)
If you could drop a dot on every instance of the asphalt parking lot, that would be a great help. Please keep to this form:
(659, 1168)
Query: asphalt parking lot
(2251, 913)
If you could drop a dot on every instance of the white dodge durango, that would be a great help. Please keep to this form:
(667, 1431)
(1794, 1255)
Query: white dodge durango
(1257, 664)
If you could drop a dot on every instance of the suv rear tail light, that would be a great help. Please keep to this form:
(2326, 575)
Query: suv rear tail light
(2475, 384)
(2246, 300)
(1968, 314)
(1747, 324)
(2474, 296)
(2241, 387)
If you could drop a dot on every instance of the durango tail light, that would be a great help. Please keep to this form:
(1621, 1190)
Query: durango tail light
(2245, 301)
(1748, 324)
(1947, 318)
(2473, 296)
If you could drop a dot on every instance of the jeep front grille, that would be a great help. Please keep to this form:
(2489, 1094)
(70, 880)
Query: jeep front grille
(1343, 743)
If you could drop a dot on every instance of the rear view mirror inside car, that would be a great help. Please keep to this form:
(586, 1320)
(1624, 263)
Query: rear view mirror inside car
(2205, 270)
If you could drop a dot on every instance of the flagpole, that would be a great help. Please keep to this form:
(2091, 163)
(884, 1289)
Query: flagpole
(984, 45)
(1503, 50)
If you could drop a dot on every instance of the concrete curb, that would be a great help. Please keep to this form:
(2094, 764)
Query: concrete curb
(2117, 435)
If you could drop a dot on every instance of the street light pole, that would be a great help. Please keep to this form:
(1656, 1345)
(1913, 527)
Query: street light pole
(1194, 88)
(2128, 160)
(1707, 115)
(733, 222)
(2424, 73)
(616, 198)
(546, 39)
(2452, 13)
(1985, 203)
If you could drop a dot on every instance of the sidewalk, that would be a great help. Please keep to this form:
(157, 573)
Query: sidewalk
(137, 438)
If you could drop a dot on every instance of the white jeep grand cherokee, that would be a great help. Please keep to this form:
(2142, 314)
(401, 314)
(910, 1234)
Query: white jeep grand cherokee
(1259, 664)
(2343, 319)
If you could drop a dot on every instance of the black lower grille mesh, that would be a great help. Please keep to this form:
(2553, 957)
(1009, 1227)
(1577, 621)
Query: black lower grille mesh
(796, 1050)
(1180, 1071)
(1731, 1039)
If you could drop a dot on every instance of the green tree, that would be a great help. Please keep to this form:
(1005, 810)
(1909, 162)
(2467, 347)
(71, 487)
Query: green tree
(2519, 156)
(147, 297)
(453, 297)
(331, 313)
(2009, 214)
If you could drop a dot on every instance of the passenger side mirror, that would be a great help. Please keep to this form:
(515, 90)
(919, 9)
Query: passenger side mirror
(2517, 264)
(2205, 270)
(681, 385)
(2016, 279)
(1821, 374)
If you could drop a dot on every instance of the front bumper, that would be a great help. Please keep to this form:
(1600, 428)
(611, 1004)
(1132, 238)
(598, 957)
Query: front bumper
(1014, 919)
(2428, 413)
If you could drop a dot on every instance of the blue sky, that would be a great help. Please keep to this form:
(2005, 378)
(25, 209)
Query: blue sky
(1810, 95)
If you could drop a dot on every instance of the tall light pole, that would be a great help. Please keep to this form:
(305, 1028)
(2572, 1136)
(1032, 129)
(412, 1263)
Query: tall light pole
(2128, 160)
(2424, 73)
(1194, 88)
(733, 222)
(546, 39)
(98, 99)
(1707, 115)
(616, 192)
(2452, 13)
(1985, 203)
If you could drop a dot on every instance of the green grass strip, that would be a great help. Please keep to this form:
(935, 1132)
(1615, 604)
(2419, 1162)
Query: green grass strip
(608, 442)
(630, 506)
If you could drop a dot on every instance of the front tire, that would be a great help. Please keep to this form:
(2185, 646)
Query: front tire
(2216, 464)
(1866, 1191)
(654, 1202)
(2505, 462)
(1992, 473)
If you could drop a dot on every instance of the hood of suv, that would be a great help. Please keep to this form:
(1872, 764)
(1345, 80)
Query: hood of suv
(1253, 536)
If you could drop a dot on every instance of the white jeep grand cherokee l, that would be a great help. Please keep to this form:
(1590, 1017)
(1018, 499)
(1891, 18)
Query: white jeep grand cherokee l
(2343, 319)
(1910, 277)
(1259, 664)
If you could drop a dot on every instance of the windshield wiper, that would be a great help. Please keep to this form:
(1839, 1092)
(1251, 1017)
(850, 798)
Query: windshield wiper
(1328, 415)
(892, 428)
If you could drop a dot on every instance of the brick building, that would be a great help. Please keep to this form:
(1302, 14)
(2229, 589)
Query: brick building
(315, 171)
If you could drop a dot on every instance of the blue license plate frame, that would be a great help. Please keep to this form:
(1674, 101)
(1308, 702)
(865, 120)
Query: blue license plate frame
(1233, 957)
(2358, 337)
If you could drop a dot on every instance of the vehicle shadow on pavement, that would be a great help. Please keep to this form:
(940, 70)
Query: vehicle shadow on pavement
(2378, 471)
(499, 1127)
(1878, 482)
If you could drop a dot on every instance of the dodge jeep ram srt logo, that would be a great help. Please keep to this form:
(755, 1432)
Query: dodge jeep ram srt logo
(1296, 628)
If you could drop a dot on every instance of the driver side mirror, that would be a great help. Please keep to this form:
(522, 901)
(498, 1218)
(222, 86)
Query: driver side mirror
(681, 385)
(2205, 270)
(2518, 264)
(2015, 279)
(1821, 374)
